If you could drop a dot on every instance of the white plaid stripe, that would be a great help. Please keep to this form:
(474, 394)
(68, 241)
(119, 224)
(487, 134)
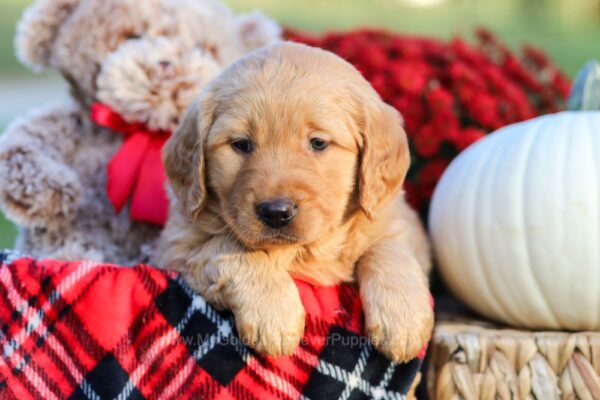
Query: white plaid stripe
(178, 380)
(333, 371)
(276, 381)
(354, 380)
(155, 350)
(8, 256)
(364, 386)
(197, 304)
(225, 330)
(148, 359)
(38, 383)
(378, 392)
(34, 320)
(88, 391)
(307, 357)
(159, 346)
(185, 372)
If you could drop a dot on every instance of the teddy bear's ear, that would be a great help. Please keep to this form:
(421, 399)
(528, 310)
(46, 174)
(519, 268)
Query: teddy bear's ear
(256, 30)
(38, 28)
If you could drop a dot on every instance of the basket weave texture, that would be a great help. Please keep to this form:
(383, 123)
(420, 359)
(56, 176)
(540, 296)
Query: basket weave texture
(475, 360)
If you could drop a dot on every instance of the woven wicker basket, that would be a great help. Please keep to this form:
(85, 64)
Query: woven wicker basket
(474, 360)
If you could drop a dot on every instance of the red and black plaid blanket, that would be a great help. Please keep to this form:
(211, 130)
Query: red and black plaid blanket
(83, 330)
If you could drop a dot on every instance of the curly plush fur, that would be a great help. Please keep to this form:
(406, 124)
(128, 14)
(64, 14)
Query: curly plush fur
(147, 62)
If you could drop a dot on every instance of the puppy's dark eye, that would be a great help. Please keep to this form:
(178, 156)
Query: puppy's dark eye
(242, 145)
(318, 144)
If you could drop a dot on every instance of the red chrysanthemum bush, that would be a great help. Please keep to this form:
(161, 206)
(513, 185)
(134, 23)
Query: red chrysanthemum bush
(450, 93)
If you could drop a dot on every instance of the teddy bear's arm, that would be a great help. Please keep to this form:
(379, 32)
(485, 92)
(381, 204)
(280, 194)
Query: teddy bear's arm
(37, 186)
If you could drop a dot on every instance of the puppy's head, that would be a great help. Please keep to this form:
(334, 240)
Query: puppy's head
(286, 142)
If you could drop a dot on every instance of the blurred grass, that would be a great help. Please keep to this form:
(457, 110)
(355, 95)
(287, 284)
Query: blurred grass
(10, 11)
(8, 231)
(568, 30)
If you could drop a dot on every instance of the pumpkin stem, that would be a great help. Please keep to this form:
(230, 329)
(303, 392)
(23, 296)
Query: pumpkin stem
(585, 92)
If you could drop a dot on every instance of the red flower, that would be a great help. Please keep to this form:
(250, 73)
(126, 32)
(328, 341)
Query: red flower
(516, 106)
(345, 47)
(440, 101)
(462, 74)
(429, 175)
(406, 48)
(408, 76)
(537, 57)
(561, 84)
(411, 193)
(485, 36)
(483, 108)
(465, 52)
(446, 126)
(467, 137)
(382, 85)
(375, 57)
(413, 111)
(518, 72)
(435, 51)
(427, 141)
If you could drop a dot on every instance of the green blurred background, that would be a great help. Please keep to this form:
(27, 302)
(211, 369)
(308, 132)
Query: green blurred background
(568, 30)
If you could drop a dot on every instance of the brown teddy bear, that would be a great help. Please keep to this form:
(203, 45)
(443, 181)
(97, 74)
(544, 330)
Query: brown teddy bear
(133, 67)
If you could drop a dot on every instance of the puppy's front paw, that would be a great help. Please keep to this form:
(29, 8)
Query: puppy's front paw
(272, 325)
(399, 331)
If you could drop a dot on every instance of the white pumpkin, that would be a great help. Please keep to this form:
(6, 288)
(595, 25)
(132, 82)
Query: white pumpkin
(515, 219)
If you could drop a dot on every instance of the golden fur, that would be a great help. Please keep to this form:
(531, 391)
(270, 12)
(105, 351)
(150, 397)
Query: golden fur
(352, 221)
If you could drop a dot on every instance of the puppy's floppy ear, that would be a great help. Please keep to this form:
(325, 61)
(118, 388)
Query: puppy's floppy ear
(183, 156)
(385, 157)
(38, 28)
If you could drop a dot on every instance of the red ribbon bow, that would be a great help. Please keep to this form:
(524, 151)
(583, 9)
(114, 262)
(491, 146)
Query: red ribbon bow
(136, 170)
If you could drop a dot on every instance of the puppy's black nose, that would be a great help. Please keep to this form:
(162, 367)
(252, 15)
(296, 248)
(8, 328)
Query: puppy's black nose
(276, 213)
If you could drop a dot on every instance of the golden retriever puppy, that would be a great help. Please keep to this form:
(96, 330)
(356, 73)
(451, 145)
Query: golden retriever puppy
(290, 165)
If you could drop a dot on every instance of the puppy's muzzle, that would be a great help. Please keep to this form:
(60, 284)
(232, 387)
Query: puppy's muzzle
(276, 213)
